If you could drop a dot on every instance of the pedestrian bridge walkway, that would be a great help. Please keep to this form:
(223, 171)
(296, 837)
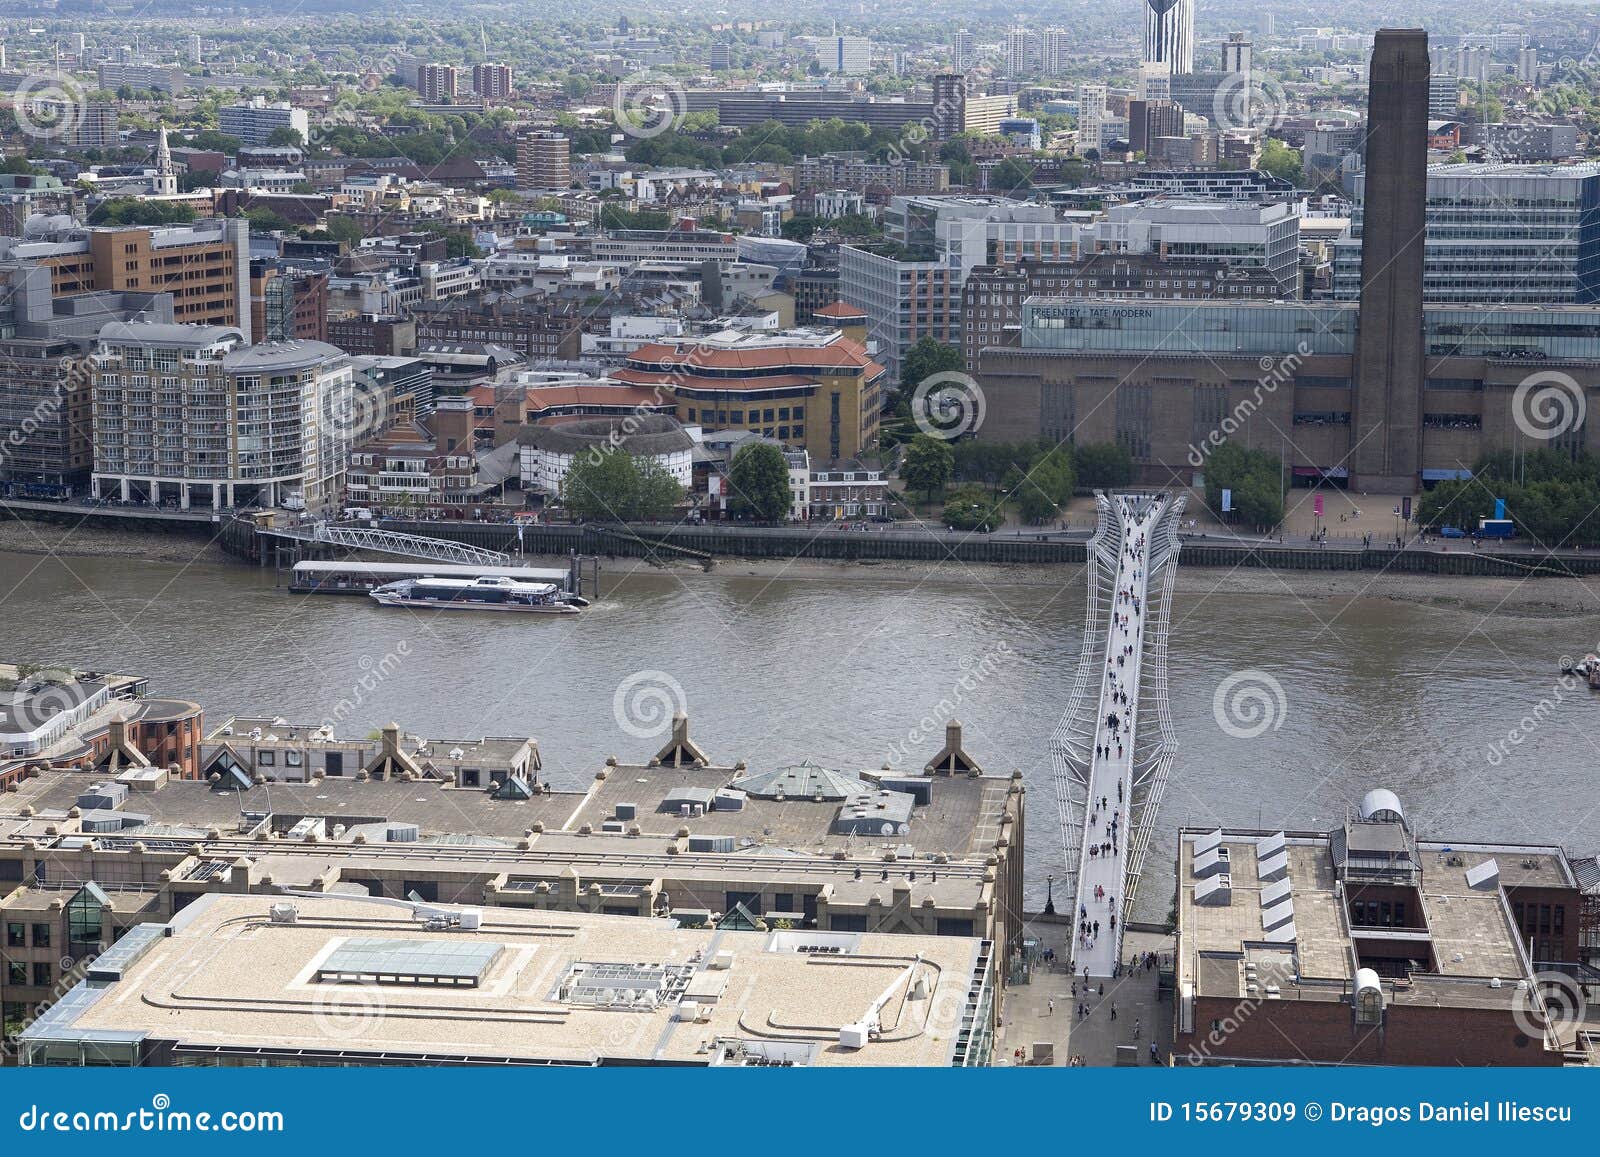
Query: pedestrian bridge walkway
(1113, 749)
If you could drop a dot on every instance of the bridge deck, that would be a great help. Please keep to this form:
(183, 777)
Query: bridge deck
(1102, 869)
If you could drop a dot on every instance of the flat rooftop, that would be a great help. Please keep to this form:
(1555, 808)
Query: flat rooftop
(1467, 936)
(524, 986)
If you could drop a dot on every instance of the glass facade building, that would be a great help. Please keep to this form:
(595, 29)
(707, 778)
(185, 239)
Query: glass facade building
(1499, 233)
(1516, 332)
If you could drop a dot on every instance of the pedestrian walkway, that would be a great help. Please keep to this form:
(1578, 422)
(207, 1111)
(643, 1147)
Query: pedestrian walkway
(1079, 1028)
(1109, 781)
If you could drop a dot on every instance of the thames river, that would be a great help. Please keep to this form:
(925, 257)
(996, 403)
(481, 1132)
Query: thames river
(1460, 711)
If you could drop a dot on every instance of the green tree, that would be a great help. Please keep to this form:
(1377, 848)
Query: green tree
(971, 507)
(1011, 176)
(759, 478)
(1280, 160)
(1256, 479)
(928, 465)
(215, 142)
(1102, 465)
(266, 221)
(286, 135)
(659, 492)
(613, 486)
(345, 228)
(1045, 486)
(131, 211)
(926, 358)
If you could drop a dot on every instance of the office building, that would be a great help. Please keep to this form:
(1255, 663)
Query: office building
(157, 77)
(819, 390)
(204, 265)
(544, 161)
(1159, 376)
(1444, 97)
(46, 407)
(719, 57)
(254, 122)
(845, 55)
(1368, 945)
(288, 301)
(1169, 34)
(992, 297)
(782, 849)
(492, 81)
(1237, 53)
(1523, 141)
(906, 299)
(858, 172)
(1497, 233)
(621, 991)
(193, 413)
(963, 50)
(1193, 233)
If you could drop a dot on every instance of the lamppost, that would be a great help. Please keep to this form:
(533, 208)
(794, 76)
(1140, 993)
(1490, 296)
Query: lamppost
(1050, 895)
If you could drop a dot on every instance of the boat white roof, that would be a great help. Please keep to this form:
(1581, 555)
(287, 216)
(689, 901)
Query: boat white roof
(421, 569)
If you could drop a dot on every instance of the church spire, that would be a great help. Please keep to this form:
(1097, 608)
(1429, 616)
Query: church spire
(166, 175)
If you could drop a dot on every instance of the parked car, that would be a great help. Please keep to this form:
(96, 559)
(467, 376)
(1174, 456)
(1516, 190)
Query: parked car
(1452, 532)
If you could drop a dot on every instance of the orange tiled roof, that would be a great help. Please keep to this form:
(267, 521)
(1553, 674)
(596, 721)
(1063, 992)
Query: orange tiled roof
(840, 354)
(753, 382)
(554, 397)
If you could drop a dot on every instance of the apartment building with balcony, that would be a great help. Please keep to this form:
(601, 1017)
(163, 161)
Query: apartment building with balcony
(193, 414)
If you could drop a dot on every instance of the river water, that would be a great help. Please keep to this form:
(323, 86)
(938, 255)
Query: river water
(845, 669)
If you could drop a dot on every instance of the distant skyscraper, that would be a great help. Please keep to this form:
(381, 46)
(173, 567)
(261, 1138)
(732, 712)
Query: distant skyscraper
(848, 55)
(1237, 52)
(963, 50)
(1169, 34)
(491, 81)
(1016, 52)
(719, 57)
(1057, 51)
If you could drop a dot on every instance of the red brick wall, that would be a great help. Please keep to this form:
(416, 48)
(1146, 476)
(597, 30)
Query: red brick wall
(1324, 1032)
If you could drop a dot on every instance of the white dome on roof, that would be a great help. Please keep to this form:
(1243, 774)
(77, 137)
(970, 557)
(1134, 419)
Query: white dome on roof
(1383, 805)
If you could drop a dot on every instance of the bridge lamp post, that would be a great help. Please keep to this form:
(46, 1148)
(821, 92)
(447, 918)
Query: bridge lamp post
(1050, 895)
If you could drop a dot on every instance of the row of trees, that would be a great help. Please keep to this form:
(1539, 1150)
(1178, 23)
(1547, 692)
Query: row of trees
(610, 485)
(1038, 476)
(1553, 497)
